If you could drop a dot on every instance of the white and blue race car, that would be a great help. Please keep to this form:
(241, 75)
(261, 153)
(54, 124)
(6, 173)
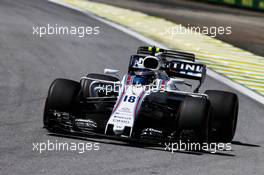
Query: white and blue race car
(154, 101)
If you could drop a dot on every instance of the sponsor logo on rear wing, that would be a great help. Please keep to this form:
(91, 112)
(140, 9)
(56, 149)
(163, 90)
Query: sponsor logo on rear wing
(188, 70)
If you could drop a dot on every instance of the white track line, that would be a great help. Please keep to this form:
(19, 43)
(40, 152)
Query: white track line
(253, 95)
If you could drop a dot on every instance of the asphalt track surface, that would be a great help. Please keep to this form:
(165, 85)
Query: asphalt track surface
(28, 64)
(247, 26)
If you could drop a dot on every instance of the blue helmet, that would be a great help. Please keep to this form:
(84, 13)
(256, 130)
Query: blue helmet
(143, 77)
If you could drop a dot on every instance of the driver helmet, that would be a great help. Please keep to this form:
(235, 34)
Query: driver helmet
(143, 77)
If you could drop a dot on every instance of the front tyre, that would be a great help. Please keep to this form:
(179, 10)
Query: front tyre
(61, 96)
(224, 115)
(194, 116)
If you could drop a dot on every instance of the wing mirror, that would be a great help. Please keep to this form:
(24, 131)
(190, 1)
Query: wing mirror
(111, 71)
(177, 80)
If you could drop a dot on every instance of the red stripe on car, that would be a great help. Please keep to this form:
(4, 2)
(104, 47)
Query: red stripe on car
(137, 105)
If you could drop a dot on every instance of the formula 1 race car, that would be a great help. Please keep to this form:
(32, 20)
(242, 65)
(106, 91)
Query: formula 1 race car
(148, 103)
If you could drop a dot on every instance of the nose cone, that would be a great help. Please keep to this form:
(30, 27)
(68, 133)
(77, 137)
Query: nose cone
(118, 130)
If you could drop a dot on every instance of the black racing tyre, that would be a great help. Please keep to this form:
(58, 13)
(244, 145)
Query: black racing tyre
(61, 96)
(86, 84)
(224, 115)
(194, 115)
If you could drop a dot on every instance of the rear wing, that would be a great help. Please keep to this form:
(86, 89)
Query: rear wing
(166, 53)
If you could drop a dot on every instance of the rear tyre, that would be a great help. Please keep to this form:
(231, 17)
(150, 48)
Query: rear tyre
(61, 96)
(87, 83)
(194, 115)
(224, 115)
